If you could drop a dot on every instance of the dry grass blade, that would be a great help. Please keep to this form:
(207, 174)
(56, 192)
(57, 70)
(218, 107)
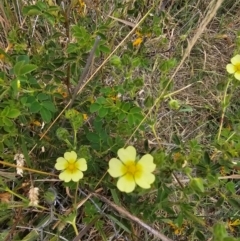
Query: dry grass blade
(209, 16)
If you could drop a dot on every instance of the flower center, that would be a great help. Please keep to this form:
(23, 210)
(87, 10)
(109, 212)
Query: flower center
(237, 66)
(71, 166)
(132, 168)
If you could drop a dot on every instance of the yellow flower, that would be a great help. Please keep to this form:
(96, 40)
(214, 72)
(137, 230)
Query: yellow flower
(131, 171)
(137, 41)
(234, 67)
(71, 167)
(85, 117)
(232, 224)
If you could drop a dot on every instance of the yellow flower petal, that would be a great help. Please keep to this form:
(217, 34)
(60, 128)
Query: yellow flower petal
(137, 41)
(70, 156)
(61, 163)
(71, 167)
(235, 60)
(76, 175)
(65, 176)
(126, 183)
(115, 167)
(231, 68)
(147, 163)
(237, 75)
(128, 154)
(145, 179)
(81, 164)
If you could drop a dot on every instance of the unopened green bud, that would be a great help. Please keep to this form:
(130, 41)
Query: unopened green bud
(116, 61)
(174, 104)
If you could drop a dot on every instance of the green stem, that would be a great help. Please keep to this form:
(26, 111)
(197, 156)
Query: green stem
(75, 228)
(224, 109)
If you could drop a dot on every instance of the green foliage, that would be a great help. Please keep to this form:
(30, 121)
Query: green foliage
(191, 131)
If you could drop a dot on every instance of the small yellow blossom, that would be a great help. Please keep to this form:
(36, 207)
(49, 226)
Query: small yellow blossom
(71, 167)
(131, 171)
(85, 117)
(137, 41)
(234, 67)
(177, 230)
(232, 224)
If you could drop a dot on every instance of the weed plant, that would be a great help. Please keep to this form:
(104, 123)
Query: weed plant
(119, 120)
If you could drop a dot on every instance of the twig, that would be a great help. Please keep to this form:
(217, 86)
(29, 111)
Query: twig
(85, 71)
(125, 213)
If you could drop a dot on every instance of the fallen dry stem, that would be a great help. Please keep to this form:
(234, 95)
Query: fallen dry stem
(125, 213)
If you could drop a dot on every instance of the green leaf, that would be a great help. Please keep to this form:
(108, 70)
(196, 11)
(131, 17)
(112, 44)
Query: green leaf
(94, 107)
(42, 6)
(49, 105)
(103, 112)
(72, 48)
(93, 137)
(197, 184)
(121, 116)
(101, 100)
(119, 223)
(200, 236)
(5, 111)
(42, 96)
(130, 119)
(46, 115)
(194, 218)
(115, 196)
(230, 186)
(7, 122)
(234, 203)
(17, 67)
(135, 110)
(21, 68)
(27, 69)
(219, 232)
(104, 49)
(31, 10)
(13, 113)
(125, 107)
(35, 107)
